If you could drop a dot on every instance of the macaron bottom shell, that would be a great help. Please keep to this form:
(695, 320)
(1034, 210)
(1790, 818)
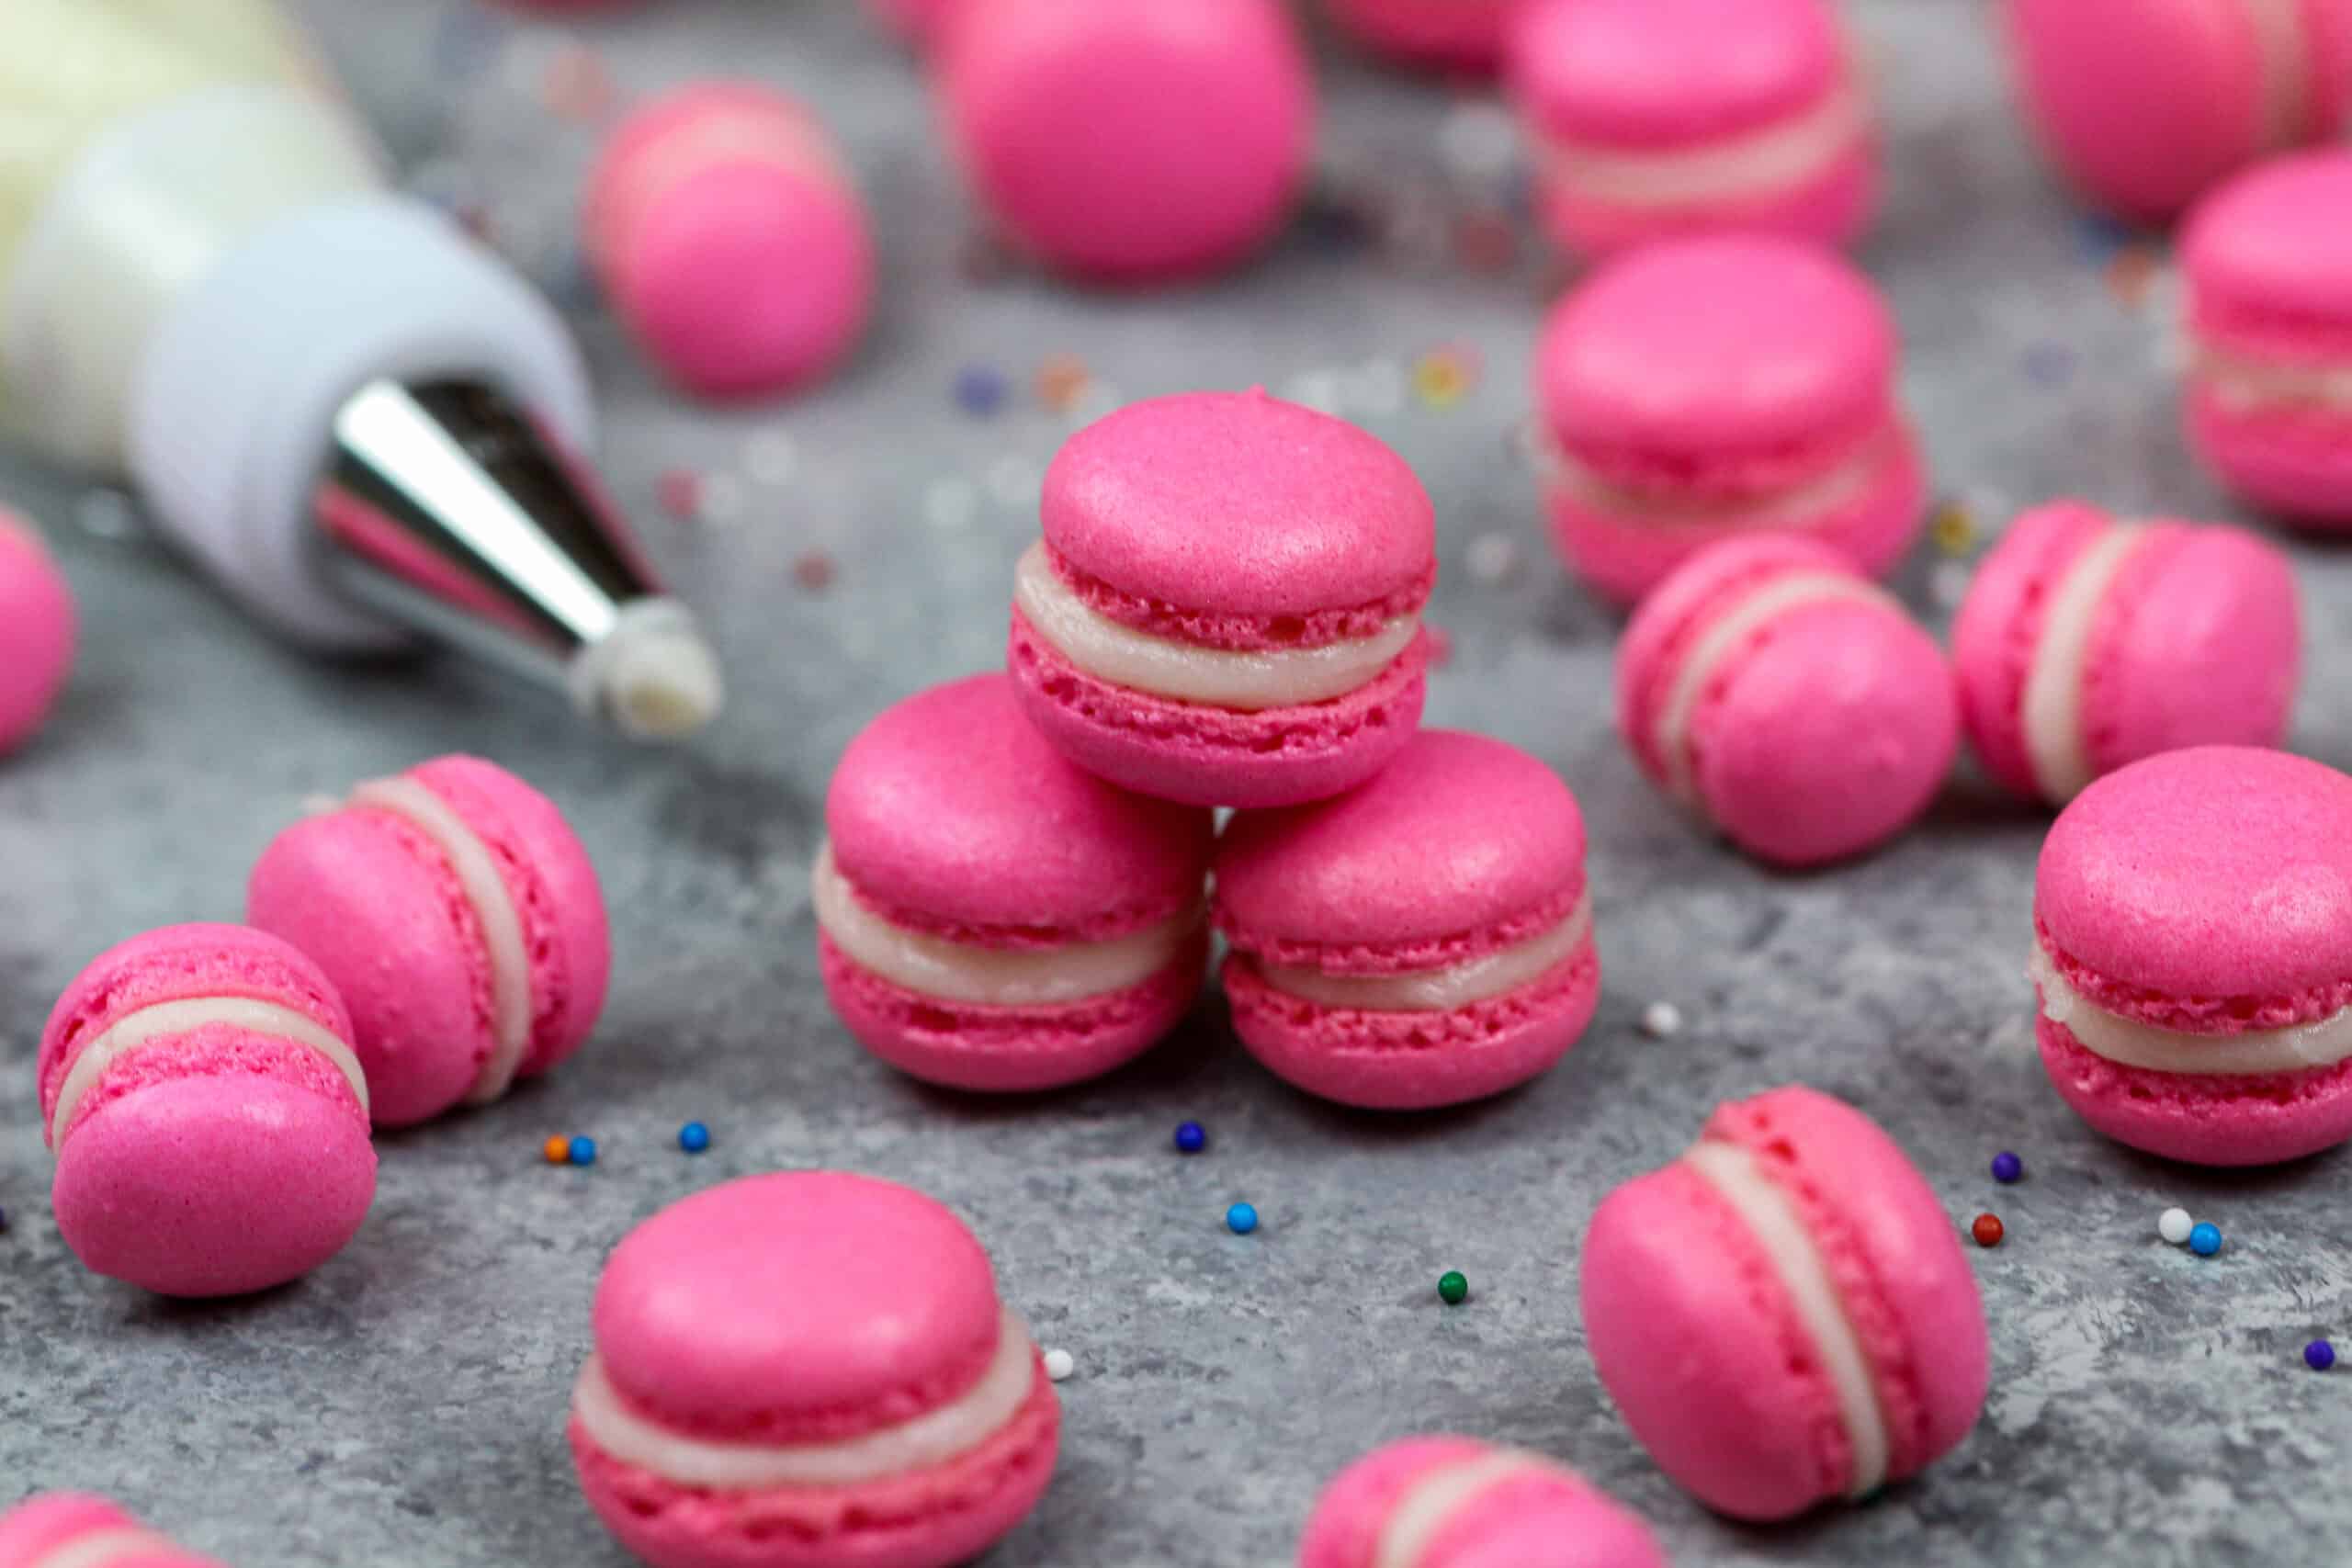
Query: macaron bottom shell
(2200, 1119)
(2297, 469)
(1832, 208)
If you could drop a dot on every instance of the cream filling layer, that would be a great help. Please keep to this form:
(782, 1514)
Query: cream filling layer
(2286, 70)
(2326, 1042)
(1441, 991)
(1438, 1498)
(1754, 163)
(955, 972)
(1670, 737)
(102, 1547)
(930, 1439)
(1795, 509)
(502, 923)
(2050, 713)
(2245, 382)
(131, 1030)
(1781, 1231)
(1248, 681)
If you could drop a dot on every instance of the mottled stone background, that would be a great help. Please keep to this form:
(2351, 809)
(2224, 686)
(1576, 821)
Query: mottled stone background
(404, 1405)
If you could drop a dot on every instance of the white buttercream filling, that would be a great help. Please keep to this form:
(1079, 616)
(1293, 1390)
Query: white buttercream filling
(2285, 69)
(2325, 1043)
(1802, 506)
(1754, 163)
(102, 1547)
(2245, 382)
(1773, 1219)
(1435, 1501)
(1441, 991)
(2052, 709)
(502, 923)
(166, 1019)
(957, 972)
(1670, 737)
(1248, 681)
(930, 1439)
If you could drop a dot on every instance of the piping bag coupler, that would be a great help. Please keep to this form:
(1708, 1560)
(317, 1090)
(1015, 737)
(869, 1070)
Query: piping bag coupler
(361, 426)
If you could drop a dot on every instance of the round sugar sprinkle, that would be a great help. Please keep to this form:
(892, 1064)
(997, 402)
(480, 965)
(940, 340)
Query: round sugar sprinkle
(2319, 1355)
(693, 1137)
(1987, 1230)
(1661, 1020)
(1453, 1288)
(557, 1150)
(583, 1151)
(1059, 1364)
(1492, 558)
(2006, 1168)
(1241, 1219)
(2206, 1239)
(2174, 1225)
(1191, 1138)
(980, 390)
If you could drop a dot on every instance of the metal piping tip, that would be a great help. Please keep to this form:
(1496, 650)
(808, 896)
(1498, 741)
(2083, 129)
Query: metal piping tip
(446, 508)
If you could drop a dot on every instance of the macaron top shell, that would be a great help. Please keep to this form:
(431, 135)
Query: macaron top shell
(805, 1306)
(2218, 873)
(44, 1524)
(951, 814)
(1240, 504)
(1647, 73)
(181, 964)
(1721, 345)
(1459, 835)
(2271, 251)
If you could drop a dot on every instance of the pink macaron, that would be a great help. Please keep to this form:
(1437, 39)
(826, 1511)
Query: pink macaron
(459, 916)
(37, 631)
(1450, 34)
(2146, 104)
(1457, 1503)
(809, 1369)
(1129, 144)
(208, 1114)
(2085, 643)
(1784, 1314)
(1794, 705)
(1421, 940)
(1702, 390)
(65, 1529)
(990, 916)
(1226, 608)
(2193, 955)
(1653, 118)
(2268, 262)
(730, 239)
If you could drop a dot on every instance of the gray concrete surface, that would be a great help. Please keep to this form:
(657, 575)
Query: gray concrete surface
(404, 1405)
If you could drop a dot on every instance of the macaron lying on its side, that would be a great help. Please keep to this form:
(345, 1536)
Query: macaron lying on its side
(1421, 940)
(65, 1529)
(1784, 1314)
(809, 1369)
(1225, 607)
(2193, 955)
(457, 912)
(1457, 1503)
(2085, 643)
(1698, 390)
(199, 1087)
(1792, 702)
(37, 631)
(990, 916)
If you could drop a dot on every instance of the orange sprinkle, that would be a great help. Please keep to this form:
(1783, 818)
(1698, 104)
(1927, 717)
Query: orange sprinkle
(557, 1150)
(2130, 272)
(1061, 381)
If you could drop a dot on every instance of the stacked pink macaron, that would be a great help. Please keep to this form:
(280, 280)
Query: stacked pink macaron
(1456, 1503)
(1225, 608)
(1656, 118)
(2268, 262)
(2085, 643)
(2193, 955)
(37, 631)
(460, 918)
(1421, 940)
(730, 239)
(809, 1371)
(65, 1529)
(2146, 104)
(1129, 144)
(1455, 35)
(1792, 702)
(991, 917)
(1702, 389)
(200, 1090)
(1783, 1315)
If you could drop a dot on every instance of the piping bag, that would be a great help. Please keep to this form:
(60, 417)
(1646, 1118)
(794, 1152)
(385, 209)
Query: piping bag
(355, 420)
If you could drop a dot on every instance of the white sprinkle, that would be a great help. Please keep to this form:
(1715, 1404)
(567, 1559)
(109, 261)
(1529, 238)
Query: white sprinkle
(770, 456)
(721, 501)
(949, 504)
(1479, 139)
(1948, 583)
(1059, 1364)
(1661, 1020)
(1492, 558)
(2174, 1225)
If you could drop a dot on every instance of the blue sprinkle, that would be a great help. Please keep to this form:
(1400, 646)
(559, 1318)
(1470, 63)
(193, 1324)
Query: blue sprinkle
(693, 1137)
(2205, 1240)
(1241, 1219)
(583, 1151)
(1191, 1138)
(2006, 1168)
(2319, 1355)
(980, 390)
